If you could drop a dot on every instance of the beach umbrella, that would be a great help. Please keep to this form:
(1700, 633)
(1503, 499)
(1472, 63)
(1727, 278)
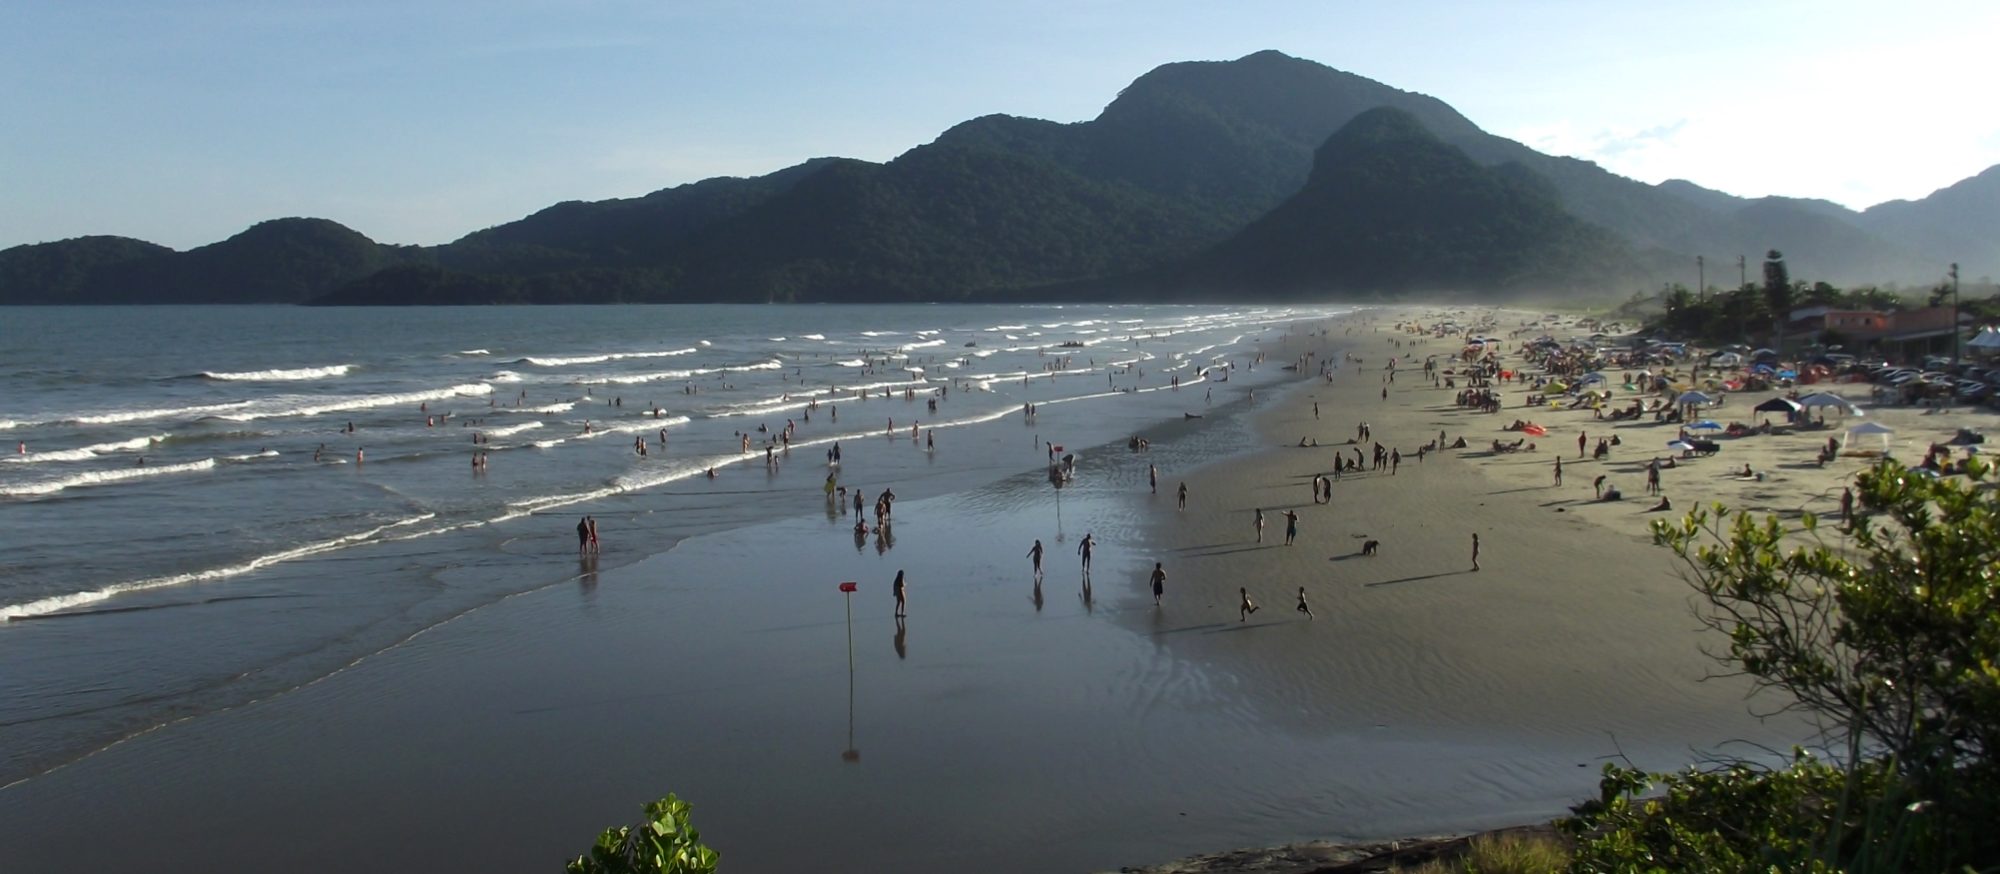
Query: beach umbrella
(1872, 428)
(1706, 425)
(1593, 376)
(1778, 405)
(1725, 359)
(1827, 399)
(1694, 397)
(1680, 445)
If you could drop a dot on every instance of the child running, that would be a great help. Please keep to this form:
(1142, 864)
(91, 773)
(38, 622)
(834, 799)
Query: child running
(1246, 608)
(1302, 603)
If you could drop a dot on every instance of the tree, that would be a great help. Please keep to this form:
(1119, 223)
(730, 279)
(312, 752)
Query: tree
(1889, 635)
(665, 842)
(1777, 295)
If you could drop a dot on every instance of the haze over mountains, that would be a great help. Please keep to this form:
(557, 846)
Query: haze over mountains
(1268, 176)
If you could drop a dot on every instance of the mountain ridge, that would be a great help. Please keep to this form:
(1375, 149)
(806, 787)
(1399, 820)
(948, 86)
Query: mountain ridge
(1187, 155)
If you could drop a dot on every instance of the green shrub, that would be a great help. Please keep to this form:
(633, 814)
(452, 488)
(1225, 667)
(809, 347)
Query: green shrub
(1889, 636)
(665, 842)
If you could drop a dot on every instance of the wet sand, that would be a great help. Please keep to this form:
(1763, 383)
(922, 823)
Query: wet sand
(993, 730)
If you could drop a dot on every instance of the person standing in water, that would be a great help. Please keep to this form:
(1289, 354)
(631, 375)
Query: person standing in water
(902, 603)
(582, 534)
(1159, 583)
(593, 533)
(1247, 607)
(1153, 477)
(1035, 553)
(1303, 608)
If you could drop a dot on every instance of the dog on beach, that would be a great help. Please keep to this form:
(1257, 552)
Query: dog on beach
(1370, 547)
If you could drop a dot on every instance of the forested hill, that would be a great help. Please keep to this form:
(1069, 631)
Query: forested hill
(1188, 156)
(278, 261)
(1391, 209)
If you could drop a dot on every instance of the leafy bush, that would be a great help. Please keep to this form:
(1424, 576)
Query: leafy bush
(1502, 854)
(1890, 637)
(665, 842)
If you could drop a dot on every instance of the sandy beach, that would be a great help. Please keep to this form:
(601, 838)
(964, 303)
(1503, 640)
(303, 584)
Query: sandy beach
(1010, 724)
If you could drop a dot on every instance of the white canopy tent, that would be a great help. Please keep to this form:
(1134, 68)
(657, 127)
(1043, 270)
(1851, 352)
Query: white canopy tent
(1825, 399)
(1866, 428)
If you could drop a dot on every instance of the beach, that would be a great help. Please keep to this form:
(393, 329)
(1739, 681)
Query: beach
(1009, 725)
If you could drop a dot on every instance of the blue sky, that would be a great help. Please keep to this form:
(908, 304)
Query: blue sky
(418, 122)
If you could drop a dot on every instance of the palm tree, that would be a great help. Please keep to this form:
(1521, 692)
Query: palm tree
(1777, 295)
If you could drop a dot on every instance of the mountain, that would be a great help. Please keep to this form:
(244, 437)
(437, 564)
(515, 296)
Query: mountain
(79, 270)
(278, 261)
(1186, 157)
(1392, 208)
(1954, 224)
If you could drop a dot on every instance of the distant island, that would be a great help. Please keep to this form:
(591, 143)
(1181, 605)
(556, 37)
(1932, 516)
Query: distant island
(1268, 176)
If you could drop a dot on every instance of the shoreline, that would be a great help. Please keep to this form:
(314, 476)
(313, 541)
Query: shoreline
(1040, 728)
(1522, 495)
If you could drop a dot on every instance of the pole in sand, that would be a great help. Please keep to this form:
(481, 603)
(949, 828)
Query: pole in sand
(850, 754)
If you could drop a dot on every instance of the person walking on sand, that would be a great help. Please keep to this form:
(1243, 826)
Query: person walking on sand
(1303, 608)
(1247, 607)
(1083, 548)
(1159, 583)
(1291, 527)
(1035, 553)
(1153, 477)
(1559, 470)
(1847, 507)
(1475, 551)
(1581, 439)
(1183, 496)
(1260, 524)
(1597, 486)
(902, 603)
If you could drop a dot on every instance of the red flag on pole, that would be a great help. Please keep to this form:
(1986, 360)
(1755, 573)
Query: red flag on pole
(849, 587)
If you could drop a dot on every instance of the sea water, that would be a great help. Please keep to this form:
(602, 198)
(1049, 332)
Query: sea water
(204, 506)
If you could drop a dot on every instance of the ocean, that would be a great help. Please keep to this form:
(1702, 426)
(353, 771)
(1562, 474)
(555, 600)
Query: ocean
(208, 506)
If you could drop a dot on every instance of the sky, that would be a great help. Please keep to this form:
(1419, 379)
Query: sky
(183, 122)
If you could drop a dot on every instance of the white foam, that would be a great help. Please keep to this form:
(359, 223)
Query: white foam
(922, 345)
(549, 410)
(511, 430)
(294, 375)
(267, 453)
(505, 376)
(78, 599)
(565, 361)
(85, 452)
(103, 477)
(812, 337)
(474, 352)
(281, 405)
(550, 444)
(642, 426)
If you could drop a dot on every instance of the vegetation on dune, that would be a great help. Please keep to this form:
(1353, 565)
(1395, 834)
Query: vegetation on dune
(664, 842)
(1502, 853)
(1889, 636)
